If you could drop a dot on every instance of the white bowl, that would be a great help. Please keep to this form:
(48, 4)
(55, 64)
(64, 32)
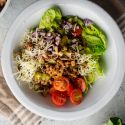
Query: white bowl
(5, 8)
(103, 90)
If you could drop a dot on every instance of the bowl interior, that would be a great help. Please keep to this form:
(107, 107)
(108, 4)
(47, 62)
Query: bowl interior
(98, 91)
(4, 8)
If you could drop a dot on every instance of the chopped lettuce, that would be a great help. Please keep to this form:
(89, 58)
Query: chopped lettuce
(51, 18)
(95, 40)
(95, 74)
(114, 121)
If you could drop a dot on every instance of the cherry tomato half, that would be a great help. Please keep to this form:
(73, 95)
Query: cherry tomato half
(76, 96)
(51, 90)
(61, 84)
(70, 88)
(59, 98)
(77, 32)
(80, 83)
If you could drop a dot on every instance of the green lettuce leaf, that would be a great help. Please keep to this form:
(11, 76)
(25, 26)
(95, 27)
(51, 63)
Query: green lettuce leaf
(80, 22)
(114, 121)
(96, 31)
(95, 50)
(96, 74)
(51, 18)
(95, 40)
(92, 40)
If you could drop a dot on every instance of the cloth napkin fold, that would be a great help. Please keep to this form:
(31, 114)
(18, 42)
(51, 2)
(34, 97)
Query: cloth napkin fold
(18, 114)
(13, 110)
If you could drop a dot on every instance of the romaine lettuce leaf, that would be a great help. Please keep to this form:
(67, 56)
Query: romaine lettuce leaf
(51, 18)
(95, 50)
(92, 40)
(95, 40)
(95, 31)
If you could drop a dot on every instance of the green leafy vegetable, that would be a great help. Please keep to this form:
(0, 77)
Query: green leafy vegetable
(95, 49)
(95, 74)
(95, 40)
(95, 31)
(114, 121)
(80, 22)
(51, 18)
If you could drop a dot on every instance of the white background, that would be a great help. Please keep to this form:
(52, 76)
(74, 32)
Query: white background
(116, 107)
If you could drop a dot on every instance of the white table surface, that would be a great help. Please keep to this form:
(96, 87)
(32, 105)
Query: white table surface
(116, 107)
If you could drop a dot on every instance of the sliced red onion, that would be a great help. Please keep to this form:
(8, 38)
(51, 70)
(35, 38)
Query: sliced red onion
(42, 33)
(77, 27)
(34, 34)
(48, 40)
(64, 21)
(49, 34)
(87, 22)
(57, 43)
(39, 33)
(69, 24)
(50, 49)
(57, 38)
(66, 25)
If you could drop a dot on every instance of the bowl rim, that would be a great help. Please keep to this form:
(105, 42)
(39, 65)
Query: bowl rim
(66, 115)
(4, 8)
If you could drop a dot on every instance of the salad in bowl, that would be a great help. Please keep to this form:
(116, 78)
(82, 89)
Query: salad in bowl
(63, 60)
(61, 56)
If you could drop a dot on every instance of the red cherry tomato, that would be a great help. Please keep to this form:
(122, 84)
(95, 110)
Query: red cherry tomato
(51, 90)
(80, 83)
(59, 98)
(77, 32)
(70, 88)
(61, 84)
(76, 96)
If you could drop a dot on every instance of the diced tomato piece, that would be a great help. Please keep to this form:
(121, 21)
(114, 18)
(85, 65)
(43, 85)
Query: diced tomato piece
(77, 32)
